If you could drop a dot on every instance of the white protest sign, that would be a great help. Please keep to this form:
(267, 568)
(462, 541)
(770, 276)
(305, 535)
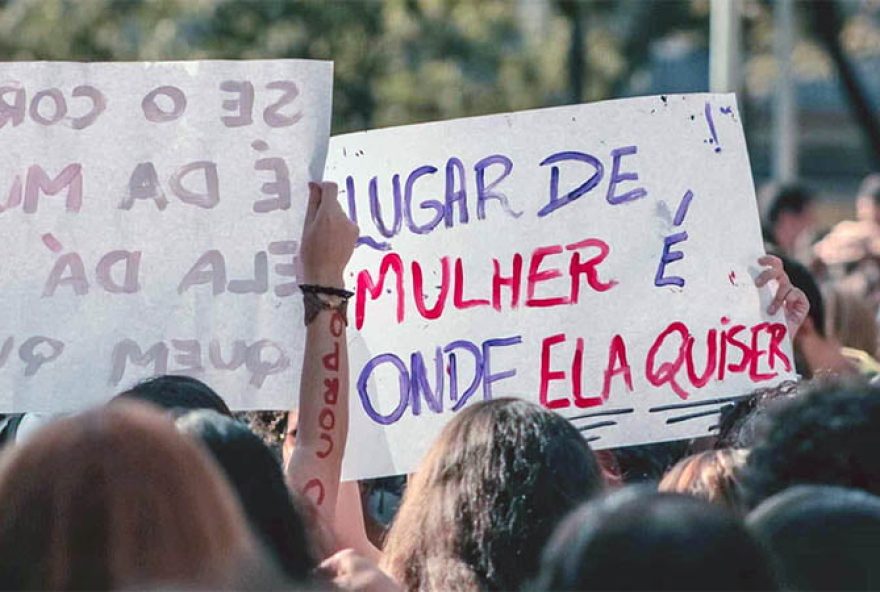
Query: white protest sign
(150, 214)
(595, 259)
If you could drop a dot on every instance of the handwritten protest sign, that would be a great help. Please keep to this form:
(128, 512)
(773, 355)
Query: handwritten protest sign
(150, 215)
(596, 259)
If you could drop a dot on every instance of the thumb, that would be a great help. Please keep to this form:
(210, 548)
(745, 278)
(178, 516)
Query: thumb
(329, 198)
(314, 202)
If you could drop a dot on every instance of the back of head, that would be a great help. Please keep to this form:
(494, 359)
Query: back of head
(256, 477)
(637, 539)
(487, 496)
(116, 498)
(828, 436)
(712, 475)
(822, 538)
(177, 393)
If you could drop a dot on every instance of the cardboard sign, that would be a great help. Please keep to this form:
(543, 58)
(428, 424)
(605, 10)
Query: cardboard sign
(596, 259)
(150, 215)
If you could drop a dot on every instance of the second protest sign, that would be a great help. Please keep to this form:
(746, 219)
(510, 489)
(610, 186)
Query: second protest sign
(596, 259)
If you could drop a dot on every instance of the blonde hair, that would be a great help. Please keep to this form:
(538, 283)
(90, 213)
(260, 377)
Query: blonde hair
(116, 498)
(711, 475)
(850, 319)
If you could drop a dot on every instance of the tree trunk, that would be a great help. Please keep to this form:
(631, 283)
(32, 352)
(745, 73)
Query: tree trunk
(827, 23)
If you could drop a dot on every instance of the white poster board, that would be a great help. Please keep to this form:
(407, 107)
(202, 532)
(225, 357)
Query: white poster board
(150, 214)
(596, 259)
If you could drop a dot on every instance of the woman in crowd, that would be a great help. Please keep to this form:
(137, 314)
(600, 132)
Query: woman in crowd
(486, 497)
(116, 498)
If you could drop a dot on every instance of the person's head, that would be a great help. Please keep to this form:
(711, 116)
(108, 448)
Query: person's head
(487, 496)
(821, 538)
(712, 475)
(788, 214)
(742, 423)
(176, 393)
(116, 498)
(637, 539)
(868, 199)
(828, 436)
(256, 477)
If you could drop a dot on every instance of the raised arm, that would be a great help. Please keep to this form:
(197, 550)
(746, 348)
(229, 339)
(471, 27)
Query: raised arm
(327, 244)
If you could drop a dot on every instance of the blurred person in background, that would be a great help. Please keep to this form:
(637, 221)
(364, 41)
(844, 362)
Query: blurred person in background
(788, 219)
(853, 246)
(816, 353)
(850, 321)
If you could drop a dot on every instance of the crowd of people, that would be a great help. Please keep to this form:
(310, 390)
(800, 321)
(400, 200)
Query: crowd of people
(165, 487)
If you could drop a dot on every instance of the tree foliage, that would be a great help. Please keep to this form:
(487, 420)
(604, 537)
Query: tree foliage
(397, 61)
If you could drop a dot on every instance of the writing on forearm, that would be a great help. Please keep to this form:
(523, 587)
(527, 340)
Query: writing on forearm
(330, 363)
(318, 487)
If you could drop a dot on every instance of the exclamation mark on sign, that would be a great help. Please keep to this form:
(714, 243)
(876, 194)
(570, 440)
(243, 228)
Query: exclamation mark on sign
(711, 122)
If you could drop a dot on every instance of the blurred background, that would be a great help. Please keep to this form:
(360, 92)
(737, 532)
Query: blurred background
(806, 73)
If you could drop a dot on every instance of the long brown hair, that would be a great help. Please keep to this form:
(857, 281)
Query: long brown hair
(116, 498)
(487, 496)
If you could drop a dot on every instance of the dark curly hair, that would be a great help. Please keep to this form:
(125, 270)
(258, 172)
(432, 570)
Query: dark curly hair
(828, 436)
(487, 497)
(742, 423)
